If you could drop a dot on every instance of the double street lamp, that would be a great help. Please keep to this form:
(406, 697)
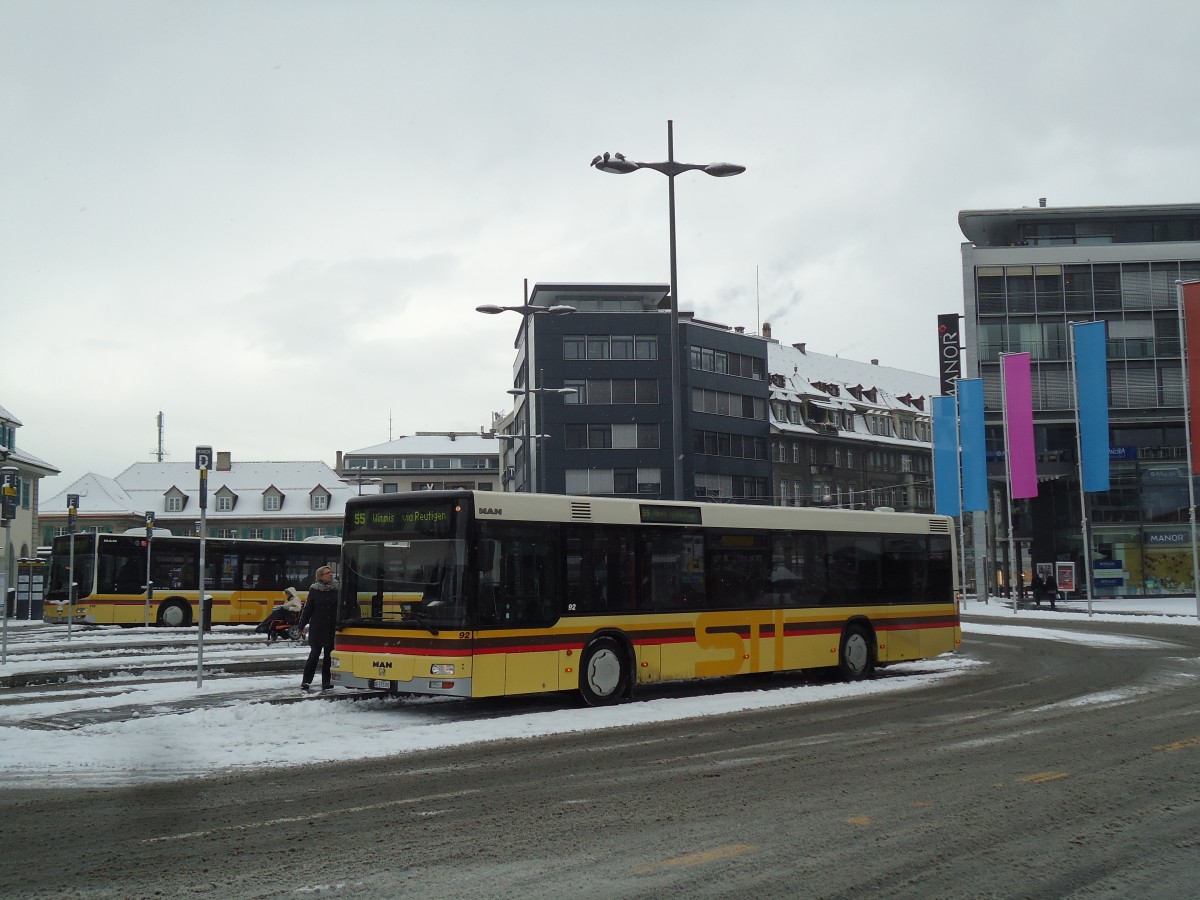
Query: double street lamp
(540, 392)
(525, 310)
(619, 165)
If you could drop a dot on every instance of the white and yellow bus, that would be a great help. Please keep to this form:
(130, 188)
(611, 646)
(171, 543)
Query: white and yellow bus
(244, 578)
(480, 594)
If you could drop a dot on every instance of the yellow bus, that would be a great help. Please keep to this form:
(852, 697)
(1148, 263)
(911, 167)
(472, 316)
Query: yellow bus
(244, 578)
(480, 594)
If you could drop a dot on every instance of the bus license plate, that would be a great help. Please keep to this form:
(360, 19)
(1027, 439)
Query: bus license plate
(380, 685)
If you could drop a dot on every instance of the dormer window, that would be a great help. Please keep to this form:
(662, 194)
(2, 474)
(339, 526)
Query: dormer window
(318, 499)
(271, 502)
(174, 500)
(226, 499)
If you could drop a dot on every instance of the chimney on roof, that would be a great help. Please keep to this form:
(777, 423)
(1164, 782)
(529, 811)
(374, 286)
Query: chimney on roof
(766, 327)
(739, 329)
(224, 461)
(337, 466)
(801, 347)
(874, 362)
(1042, 202)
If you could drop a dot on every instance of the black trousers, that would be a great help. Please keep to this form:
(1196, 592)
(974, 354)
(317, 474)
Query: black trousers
(317, 645)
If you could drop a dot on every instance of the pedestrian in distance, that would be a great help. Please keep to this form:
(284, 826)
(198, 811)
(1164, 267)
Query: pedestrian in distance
(320, 618)
(1038, 585)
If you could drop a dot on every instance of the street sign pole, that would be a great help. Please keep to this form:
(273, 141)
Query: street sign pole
(149, 547)
(8, 512)
(72, 524)
(203, 464)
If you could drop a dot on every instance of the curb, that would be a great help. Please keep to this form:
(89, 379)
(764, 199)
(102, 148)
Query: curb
(30, 679)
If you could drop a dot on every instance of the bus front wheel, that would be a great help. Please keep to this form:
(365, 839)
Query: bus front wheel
(856, 658)
(174, 614)
(603, 676)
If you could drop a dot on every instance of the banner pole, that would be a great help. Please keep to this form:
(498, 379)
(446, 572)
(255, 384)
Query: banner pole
(1086, 557)
(1012, 542)
(1187, 428)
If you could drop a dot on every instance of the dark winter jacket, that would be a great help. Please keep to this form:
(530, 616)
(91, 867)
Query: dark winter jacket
(320, 613)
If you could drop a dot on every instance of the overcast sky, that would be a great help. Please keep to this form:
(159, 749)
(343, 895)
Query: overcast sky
(273, 221)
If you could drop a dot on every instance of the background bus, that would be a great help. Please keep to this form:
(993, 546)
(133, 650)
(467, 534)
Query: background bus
(479, 594)
(244, 578)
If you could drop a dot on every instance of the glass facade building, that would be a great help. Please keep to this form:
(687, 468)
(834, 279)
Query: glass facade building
(1027, 274)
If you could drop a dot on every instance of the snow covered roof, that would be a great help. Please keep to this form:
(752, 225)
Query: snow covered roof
(6, 416)
(432, 445)
(804, 372)
(143, 486)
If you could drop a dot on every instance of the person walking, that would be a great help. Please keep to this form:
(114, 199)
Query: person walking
(320, 617)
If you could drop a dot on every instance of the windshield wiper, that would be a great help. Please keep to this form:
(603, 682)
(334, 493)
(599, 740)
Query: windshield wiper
(423, 622)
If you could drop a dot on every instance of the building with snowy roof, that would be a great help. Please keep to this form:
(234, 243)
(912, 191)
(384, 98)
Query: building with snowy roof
(287, 501)
(426, 461)
(849, 433)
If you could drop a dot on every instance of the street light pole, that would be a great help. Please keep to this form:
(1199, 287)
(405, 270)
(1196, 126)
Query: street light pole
(619, 165)
(540, 392)
(525, 310)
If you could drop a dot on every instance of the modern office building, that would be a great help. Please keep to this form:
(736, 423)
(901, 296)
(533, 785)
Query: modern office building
(599, 414)
(1029, 272)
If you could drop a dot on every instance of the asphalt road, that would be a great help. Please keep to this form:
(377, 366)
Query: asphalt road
(1056, 770)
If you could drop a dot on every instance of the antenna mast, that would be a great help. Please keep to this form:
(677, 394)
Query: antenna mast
(159, 454)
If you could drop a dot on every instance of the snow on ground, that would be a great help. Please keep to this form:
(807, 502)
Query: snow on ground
(154, 744)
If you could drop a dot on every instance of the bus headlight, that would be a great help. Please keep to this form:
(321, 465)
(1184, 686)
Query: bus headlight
(335, 663)
(444, 669)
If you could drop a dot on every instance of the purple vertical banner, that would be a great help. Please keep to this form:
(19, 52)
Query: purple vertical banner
(1018, 425)
(974, 444)
(1091, 392)
(945, 457)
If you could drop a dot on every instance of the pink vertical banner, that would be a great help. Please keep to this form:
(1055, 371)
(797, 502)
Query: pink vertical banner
(1018, 426)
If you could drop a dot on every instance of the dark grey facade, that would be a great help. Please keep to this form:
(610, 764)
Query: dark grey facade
(613, 435)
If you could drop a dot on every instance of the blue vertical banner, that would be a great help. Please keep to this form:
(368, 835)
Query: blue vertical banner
(946, 500)
(974, 447)
(1091, 394)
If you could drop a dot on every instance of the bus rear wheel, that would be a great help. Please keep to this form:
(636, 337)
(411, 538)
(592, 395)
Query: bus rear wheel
(856, 657)
(174, 614)
(603, 675)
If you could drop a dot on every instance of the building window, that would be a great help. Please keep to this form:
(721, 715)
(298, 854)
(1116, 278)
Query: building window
(320, 501)
(287, 534)
(645, 346)
(226, 532)
(175, 504)
(271, 502)
(224, 504)
(255, 533)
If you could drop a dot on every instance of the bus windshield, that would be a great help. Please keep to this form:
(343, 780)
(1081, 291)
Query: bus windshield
(60, 567)
(417, 580)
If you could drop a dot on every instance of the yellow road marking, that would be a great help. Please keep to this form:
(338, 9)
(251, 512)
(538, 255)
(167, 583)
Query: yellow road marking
(859, 820)
(703, 856)
(1042, 777)
(1180, 745)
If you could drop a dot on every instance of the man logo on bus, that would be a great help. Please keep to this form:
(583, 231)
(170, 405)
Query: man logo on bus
(381, 664)
(490, 511)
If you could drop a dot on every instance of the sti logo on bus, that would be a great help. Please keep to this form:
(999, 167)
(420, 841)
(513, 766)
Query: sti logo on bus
(949, 352)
